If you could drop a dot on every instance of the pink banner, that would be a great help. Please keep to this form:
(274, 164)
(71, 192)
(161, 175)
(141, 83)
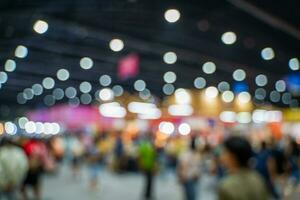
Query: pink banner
(128, 66)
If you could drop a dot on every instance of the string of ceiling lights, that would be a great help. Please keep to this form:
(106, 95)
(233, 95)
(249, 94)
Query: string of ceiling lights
(170, 58)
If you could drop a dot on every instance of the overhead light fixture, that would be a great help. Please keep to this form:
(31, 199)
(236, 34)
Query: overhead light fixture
(172, 15)
(40, 26)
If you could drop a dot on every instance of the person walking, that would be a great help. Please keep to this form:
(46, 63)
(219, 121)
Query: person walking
(188, 170)
(147, 163)
(241, 182)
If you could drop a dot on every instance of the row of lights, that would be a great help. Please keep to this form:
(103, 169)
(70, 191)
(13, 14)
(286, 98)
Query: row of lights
(140, 86)
(168, 128)
(30, 127)
(228, 38)
(257, 116)
(239, 75)
(10, 64)
(170, 57)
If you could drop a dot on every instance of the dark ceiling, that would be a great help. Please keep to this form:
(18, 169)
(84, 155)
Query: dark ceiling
(79, 28)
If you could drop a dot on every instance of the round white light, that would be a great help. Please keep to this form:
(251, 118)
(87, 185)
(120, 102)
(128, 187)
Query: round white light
(21, 99)
(48, 129)
(275, 96)
(139, 85)
(267, 53)
(86, 63)
(244, 97)
(10, 65)
(170, 57)
(39, 127)
(106, 94)
(184, 129)
(37, 89)
(227, 96)
(58, 93)
(182, 96)
(28, 93)
(280, 86)
(55, 128)
(63, 74)
(49, 100)
(71, 92)
(22, 121)
(209, 67)
(3, 77)
(294, 64)
(261, 80)
(116, 45)
(286, 98)
(30, 127)
(211, 92)
(172, 15)
(10, 128)
(166, 128)
(145, 94)
(40, 26)
(199, 83)
(118, 90)
(21, 51)
(223, 86)
(170, 77)
(260, 93)
(86, 99)
(228, 38)
(239, 75)
(168, 89)
(48, 83)
(105, 80)
(85, 87)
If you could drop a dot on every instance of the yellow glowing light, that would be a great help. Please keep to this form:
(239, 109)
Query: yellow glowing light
(1, 129)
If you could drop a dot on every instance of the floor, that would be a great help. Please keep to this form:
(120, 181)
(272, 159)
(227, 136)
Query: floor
(113, 186)
(128, 186)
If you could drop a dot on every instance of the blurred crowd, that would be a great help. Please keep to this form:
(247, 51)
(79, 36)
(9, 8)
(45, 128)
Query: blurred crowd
(238, 168)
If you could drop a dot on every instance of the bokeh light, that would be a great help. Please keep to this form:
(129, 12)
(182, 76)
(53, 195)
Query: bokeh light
(239, 75)
(209, 67)
(199, 83)
(211, 92)
(294, 64)
(63, 74)
(21, 51)
(184, 129)
(228, 38)
(170, 57)
(105, 80)
(172, 15)
(170, 77)
(10, 65)
(261, 80)
(267, 53)
(85, 87)
(40, 26)
(116, 45)
(86, 63)
(106, 94)
(48, 83)
(227, 96)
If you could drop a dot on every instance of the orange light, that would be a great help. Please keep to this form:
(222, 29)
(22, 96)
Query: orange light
(1, 129)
